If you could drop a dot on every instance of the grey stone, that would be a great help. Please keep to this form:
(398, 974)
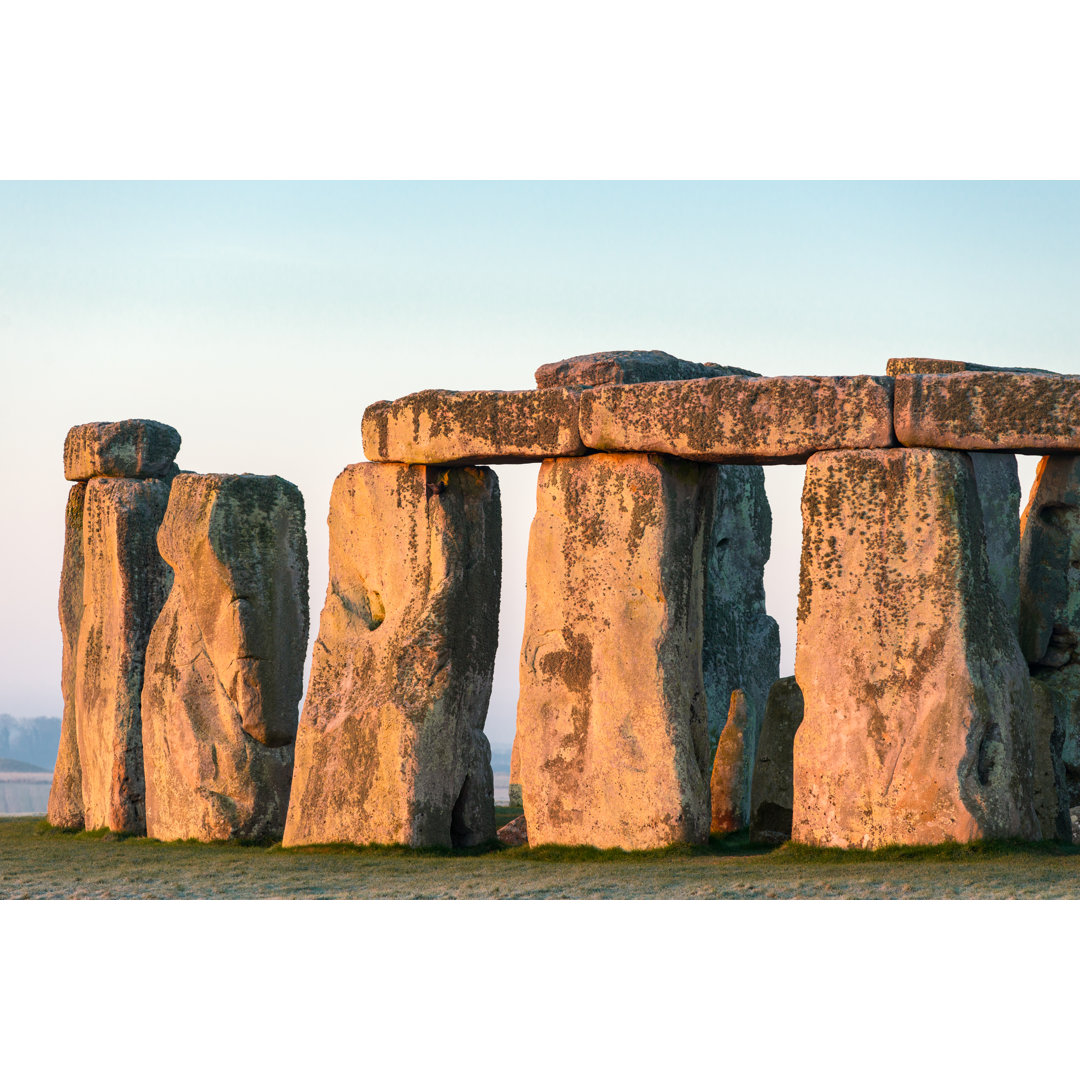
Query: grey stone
(1050, 785)
(65, 809)
(771, 793)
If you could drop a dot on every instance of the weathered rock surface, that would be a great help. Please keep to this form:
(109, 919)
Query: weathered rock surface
(918, 705)
(998, 481)
(1065, 683)
(515, 833)
(921, 365)
(732, 770)
(628, 366)
(989, 410)
(391, 747)
(612, 727)
(741, 643)
(137, 449)
(771, 791)
(225, 660)
(740, 420)
(124, 587)
(65, 810)
(473, 426)
(1049, 559)
(1050, 788)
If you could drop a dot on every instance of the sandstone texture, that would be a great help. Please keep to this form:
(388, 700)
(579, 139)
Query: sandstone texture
(515, 833)
(65, 810)
(741, 643)
(732, 770)
(918, 706)
(612, 720)
(771, 796)
(740, 420)
(989, 410)
(628, 366)
(473, 426)
(1050, 786)
(136, 449)
(920, 365)
(125, 582)
(225, 660)
(391, 747)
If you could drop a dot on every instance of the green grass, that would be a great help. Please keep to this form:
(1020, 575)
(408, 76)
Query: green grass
(36, 861)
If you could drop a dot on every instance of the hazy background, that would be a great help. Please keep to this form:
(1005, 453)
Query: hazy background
(260, 319)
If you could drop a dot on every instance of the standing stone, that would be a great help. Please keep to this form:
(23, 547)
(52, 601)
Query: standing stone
(1050, 790)
(917, 726)
(225, 660)
(998, 481)
(124, 587)
(612, 721)
(65, 796)
(741, 643)
(771, 797)
(1050, 597)
(391, 747)
(732, 769)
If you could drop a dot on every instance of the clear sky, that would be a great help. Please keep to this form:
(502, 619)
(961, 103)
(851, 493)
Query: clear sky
(260, 319)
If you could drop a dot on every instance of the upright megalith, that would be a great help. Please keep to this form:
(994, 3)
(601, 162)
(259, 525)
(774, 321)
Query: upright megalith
(225, 660)
(771, 790)
(732, 769)
(741, 642)
(918, 706)
(391, 747)
(112, 585)
(1050, 596)
(612, 722)
(125, 583)
(1050, 788)
(65, 810)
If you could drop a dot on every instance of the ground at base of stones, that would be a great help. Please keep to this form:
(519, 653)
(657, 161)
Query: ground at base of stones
(37, 862)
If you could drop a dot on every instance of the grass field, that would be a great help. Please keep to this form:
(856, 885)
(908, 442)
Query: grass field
(39, 862)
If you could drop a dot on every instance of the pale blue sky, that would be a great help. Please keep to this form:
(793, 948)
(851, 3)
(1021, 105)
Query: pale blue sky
(260, 319)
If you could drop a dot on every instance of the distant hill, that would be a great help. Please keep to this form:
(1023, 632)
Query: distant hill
(35, 740)
(12, 765)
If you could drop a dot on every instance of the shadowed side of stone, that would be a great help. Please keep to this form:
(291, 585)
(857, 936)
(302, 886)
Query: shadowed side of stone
(65, 810)
(741, 642)
(1050, 597)
(1051, 793)
(391, 747)
(628, 366)
(917, 724)
(771, 797)
(138, 449)
(225, 661)
(612, 723)
(738, 420)
(989, 410)
(473, 426)
(125, 582)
